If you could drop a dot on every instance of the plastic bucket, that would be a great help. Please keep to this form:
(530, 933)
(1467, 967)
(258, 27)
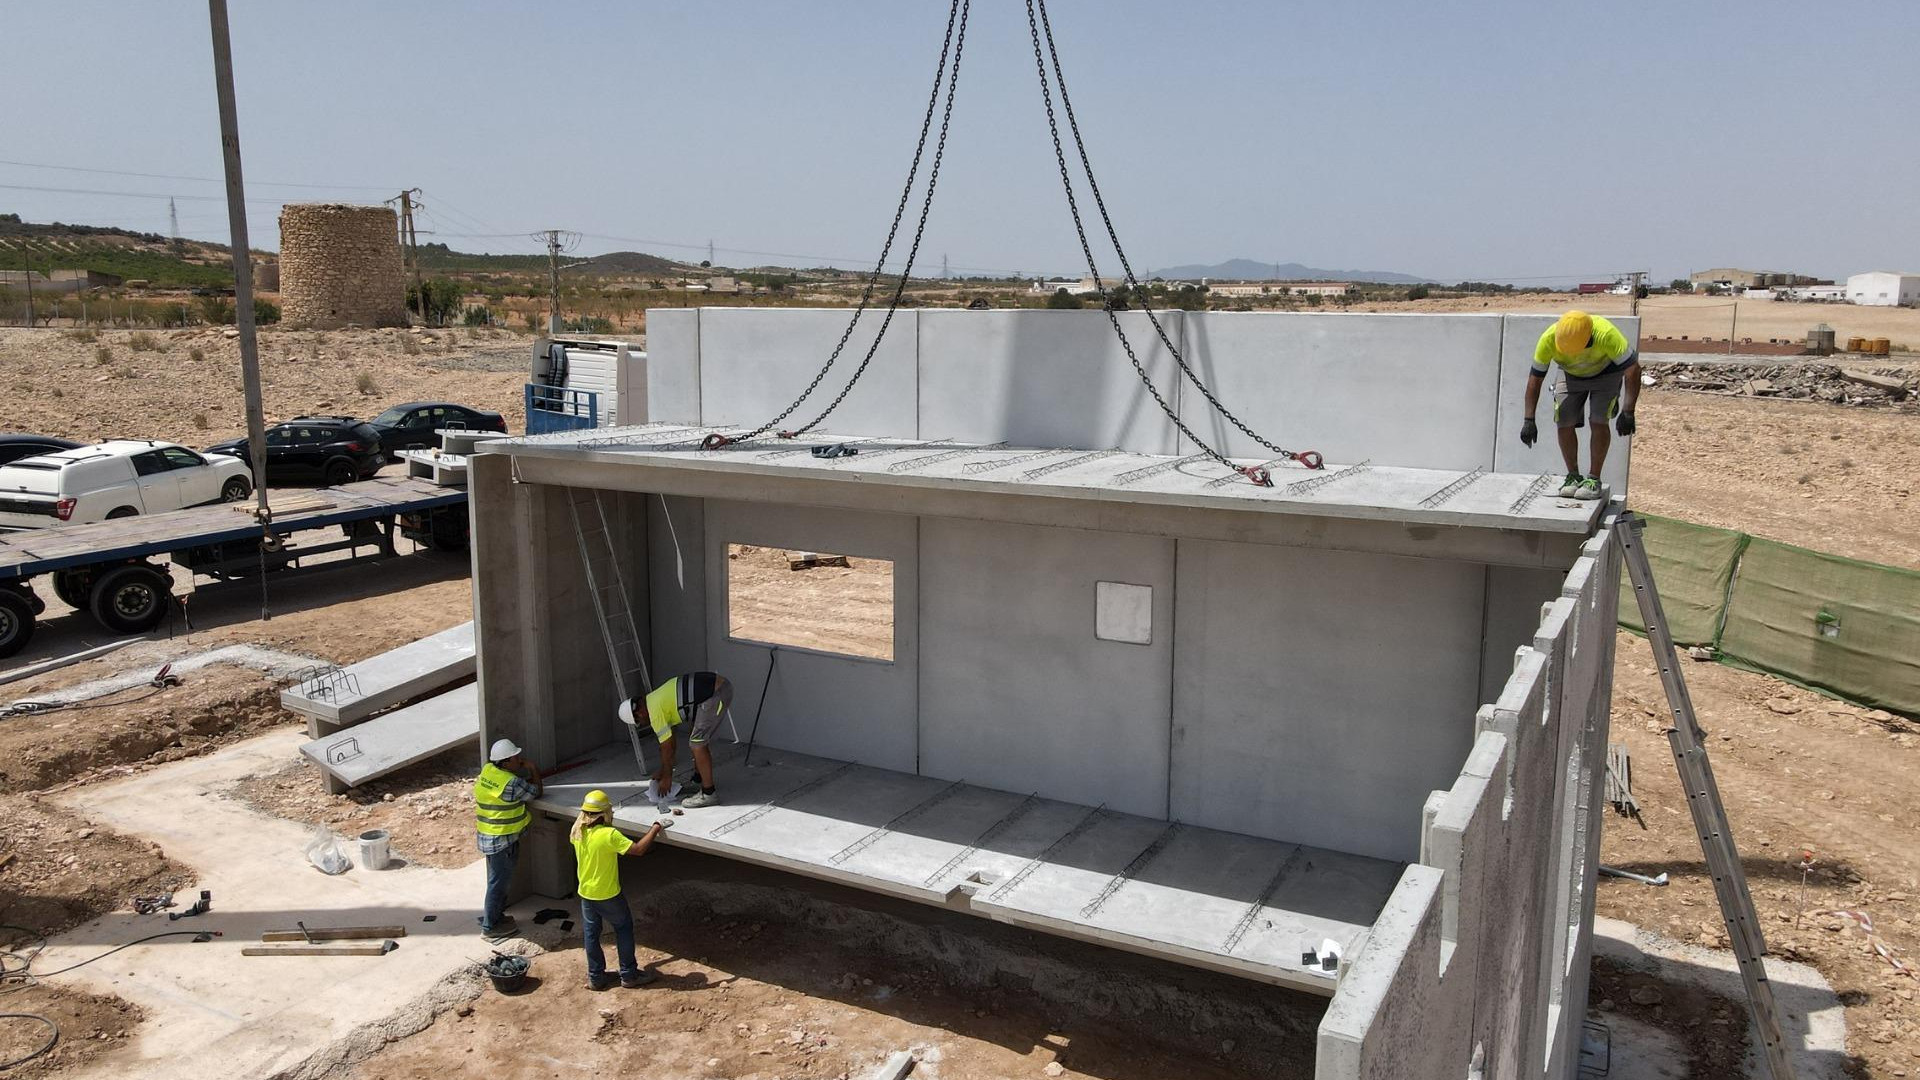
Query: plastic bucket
(507, 972)
(373, 849)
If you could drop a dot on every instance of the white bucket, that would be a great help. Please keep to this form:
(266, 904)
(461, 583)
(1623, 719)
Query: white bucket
(373, 849)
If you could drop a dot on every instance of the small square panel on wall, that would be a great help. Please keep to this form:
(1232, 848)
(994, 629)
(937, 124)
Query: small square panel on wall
(1123, 612)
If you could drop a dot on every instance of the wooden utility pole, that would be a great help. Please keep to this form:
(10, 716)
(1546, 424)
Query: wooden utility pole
(242, 274)
(409, 202)
(26, 267)
(1639, 276)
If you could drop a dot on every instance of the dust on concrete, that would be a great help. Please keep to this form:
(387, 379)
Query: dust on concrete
(764, 975)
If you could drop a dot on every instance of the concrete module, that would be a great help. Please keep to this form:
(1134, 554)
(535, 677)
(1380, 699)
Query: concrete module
(1133, 699)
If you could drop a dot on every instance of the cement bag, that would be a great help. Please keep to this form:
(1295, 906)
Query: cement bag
(325, 853)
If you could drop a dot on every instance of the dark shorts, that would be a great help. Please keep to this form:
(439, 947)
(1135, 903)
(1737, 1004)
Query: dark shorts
(1598, 397)
(709, 714)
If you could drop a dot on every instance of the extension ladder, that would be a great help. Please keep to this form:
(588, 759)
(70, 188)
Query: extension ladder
(1703, 799)
(608, 588)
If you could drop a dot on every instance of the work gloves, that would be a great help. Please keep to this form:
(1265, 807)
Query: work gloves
(1530, 431)
(1624, 423)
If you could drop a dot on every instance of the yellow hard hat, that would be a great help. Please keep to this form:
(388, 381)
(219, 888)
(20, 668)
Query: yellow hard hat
(596, 802)
(1573, 333)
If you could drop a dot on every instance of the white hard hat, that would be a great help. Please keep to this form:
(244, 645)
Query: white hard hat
(502, 750)
(626, 712)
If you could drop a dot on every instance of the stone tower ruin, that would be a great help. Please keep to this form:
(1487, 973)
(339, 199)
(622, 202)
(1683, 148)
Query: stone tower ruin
(341, 264)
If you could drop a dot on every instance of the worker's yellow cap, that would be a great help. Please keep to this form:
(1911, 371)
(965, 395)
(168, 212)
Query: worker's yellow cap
(596, 802)
(1573, 332)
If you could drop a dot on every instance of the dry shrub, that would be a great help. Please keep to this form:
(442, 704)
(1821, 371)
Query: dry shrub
(364, 383)
(145, 341)
(102, 355)
(200, 421)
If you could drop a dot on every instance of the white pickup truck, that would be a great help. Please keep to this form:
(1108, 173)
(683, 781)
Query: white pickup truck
(115, 479)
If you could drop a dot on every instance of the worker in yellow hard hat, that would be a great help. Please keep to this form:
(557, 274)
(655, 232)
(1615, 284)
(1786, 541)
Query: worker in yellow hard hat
(1601, 381)
(597, 847)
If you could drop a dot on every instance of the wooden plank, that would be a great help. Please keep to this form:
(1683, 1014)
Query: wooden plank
(335, 933)
(370, 949)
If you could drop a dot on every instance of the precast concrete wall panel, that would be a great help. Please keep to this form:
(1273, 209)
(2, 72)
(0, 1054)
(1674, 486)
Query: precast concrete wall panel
(1016, 689)
(1522, 333)
(1045, 378)
(677, 584)
(755, 361)
(581, 692)
(1406, 390)
(1320, 695)
(673, 367)
(1514, 598)
(845, 707)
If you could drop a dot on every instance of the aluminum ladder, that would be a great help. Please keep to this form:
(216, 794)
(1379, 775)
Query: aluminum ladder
(1703, 800)
(608, 588)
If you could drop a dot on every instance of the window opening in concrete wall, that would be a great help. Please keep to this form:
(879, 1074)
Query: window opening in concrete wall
(810, 600)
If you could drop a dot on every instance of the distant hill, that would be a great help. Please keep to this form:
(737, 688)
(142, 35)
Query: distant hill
(1248, 270)
(632, 262)
(122, 252)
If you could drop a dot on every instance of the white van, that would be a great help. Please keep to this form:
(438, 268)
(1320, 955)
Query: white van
(115, 479)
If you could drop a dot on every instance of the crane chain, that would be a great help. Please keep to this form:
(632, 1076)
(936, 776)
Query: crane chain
(957, 11)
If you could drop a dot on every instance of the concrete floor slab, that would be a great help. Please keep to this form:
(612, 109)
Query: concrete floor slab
(1199, 896)
(383, 681)
(212, 1013)
(400, 738)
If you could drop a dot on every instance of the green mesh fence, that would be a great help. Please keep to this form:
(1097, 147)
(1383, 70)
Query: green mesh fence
(1849, 628)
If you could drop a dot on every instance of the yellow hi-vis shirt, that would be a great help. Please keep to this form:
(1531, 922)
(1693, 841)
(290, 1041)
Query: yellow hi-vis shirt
(663, 708)
(1608, 347)
(596, 856)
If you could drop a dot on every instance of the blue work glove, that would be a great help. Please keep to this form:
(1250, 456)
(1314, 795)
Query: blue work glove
(1529, 432)
(1624, 423)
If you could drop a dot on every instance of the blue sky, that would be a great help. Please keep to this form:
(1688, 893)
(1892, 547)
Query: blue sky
(1492, 140)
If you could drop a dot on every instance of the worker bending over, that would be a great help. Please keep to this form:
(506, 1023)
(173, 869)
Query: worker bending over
(1599, 364)
(697, 701)
(597, 847)
(507, 783)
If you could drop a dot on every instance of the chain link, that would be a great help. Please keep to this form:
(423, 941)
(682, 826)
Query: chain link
(957, 12)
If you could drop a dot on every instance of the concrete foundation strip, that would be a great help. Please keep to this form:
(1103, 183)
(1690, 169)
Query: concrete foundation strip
(1156, 469)
(975, 468)
(899, 819)
(985, 838)
(1093, 818)
(1312, 483)
(1128, 872)
(759, 812)
(1223, 481)
(1247, 917)
(1534, 491)
(1460, 484)
(928, 460)
(1095, 455)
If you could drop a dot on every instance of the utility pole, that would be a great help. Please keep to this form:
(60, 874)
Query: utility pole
(709, 252)
(173, 220)
(557, 241)
(1633, 291)
(409, 202)
(242, 276)
(26, 265)
(944, 272)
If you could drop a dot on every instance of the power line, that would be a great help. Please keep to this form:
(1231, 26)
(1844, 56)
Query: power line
(196, 179)
(132, 194)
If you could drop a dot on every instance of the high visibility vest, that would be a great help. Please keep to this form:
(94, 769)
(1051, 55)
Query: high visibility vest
(496, 816)
(663, 708)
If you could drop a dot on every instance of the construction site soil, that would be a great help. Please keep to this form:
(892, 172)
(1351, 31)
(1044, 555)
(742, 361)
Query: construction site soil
(1798, 772)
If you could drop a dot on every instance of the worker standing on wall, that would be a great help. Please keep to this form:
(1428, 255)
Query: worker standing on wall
(1602, 382)
(597, 847)
(697, 701)
(507, 783)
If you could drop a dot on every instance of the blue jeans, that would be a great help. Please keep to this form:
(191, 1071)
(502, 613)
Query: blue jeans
(499, 876)
(614, 913)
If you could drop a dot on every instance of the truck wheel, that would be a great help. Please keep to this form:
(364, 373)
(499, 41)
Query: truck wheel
(71, 587)
(235, 489)
(122, 512)
(16, 622)
(338, 471)
(131, 599)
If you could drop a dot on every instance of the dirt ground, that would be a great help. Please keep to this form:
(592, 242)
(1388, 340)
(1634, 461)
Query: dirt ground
(849, 609)
(426, 809)
(1701, 316)
(58, 381)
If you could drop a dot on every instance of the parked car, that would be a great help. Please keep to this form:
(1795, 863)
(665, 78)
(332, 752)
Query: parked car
(334, 450)
(417, 424)
(15, 447)
(115, 479)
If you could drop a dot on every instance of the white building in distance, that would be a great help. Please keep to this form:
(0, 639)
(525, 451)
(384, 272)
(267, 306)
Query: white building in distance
(1884, 288)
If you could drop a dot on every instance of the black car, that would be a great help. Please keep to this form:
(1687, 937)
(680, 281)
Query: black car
(15, 447)
(334, 450)
(418, 424)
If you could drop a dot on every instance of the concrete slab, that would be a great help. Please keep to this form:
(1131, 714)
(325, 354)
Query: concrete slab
(446, 470)
(381, 682)
(212, 1014)
(1198, 896)
(401, 738)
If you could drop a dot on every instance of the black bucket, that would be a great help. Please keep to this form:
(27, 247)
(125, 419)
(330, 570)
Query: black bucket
(508, 973)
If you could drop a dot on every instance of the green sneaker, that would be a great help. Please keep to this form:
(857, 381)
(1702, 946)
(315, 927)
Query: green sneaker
(1588, 489)
(1570, 487)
